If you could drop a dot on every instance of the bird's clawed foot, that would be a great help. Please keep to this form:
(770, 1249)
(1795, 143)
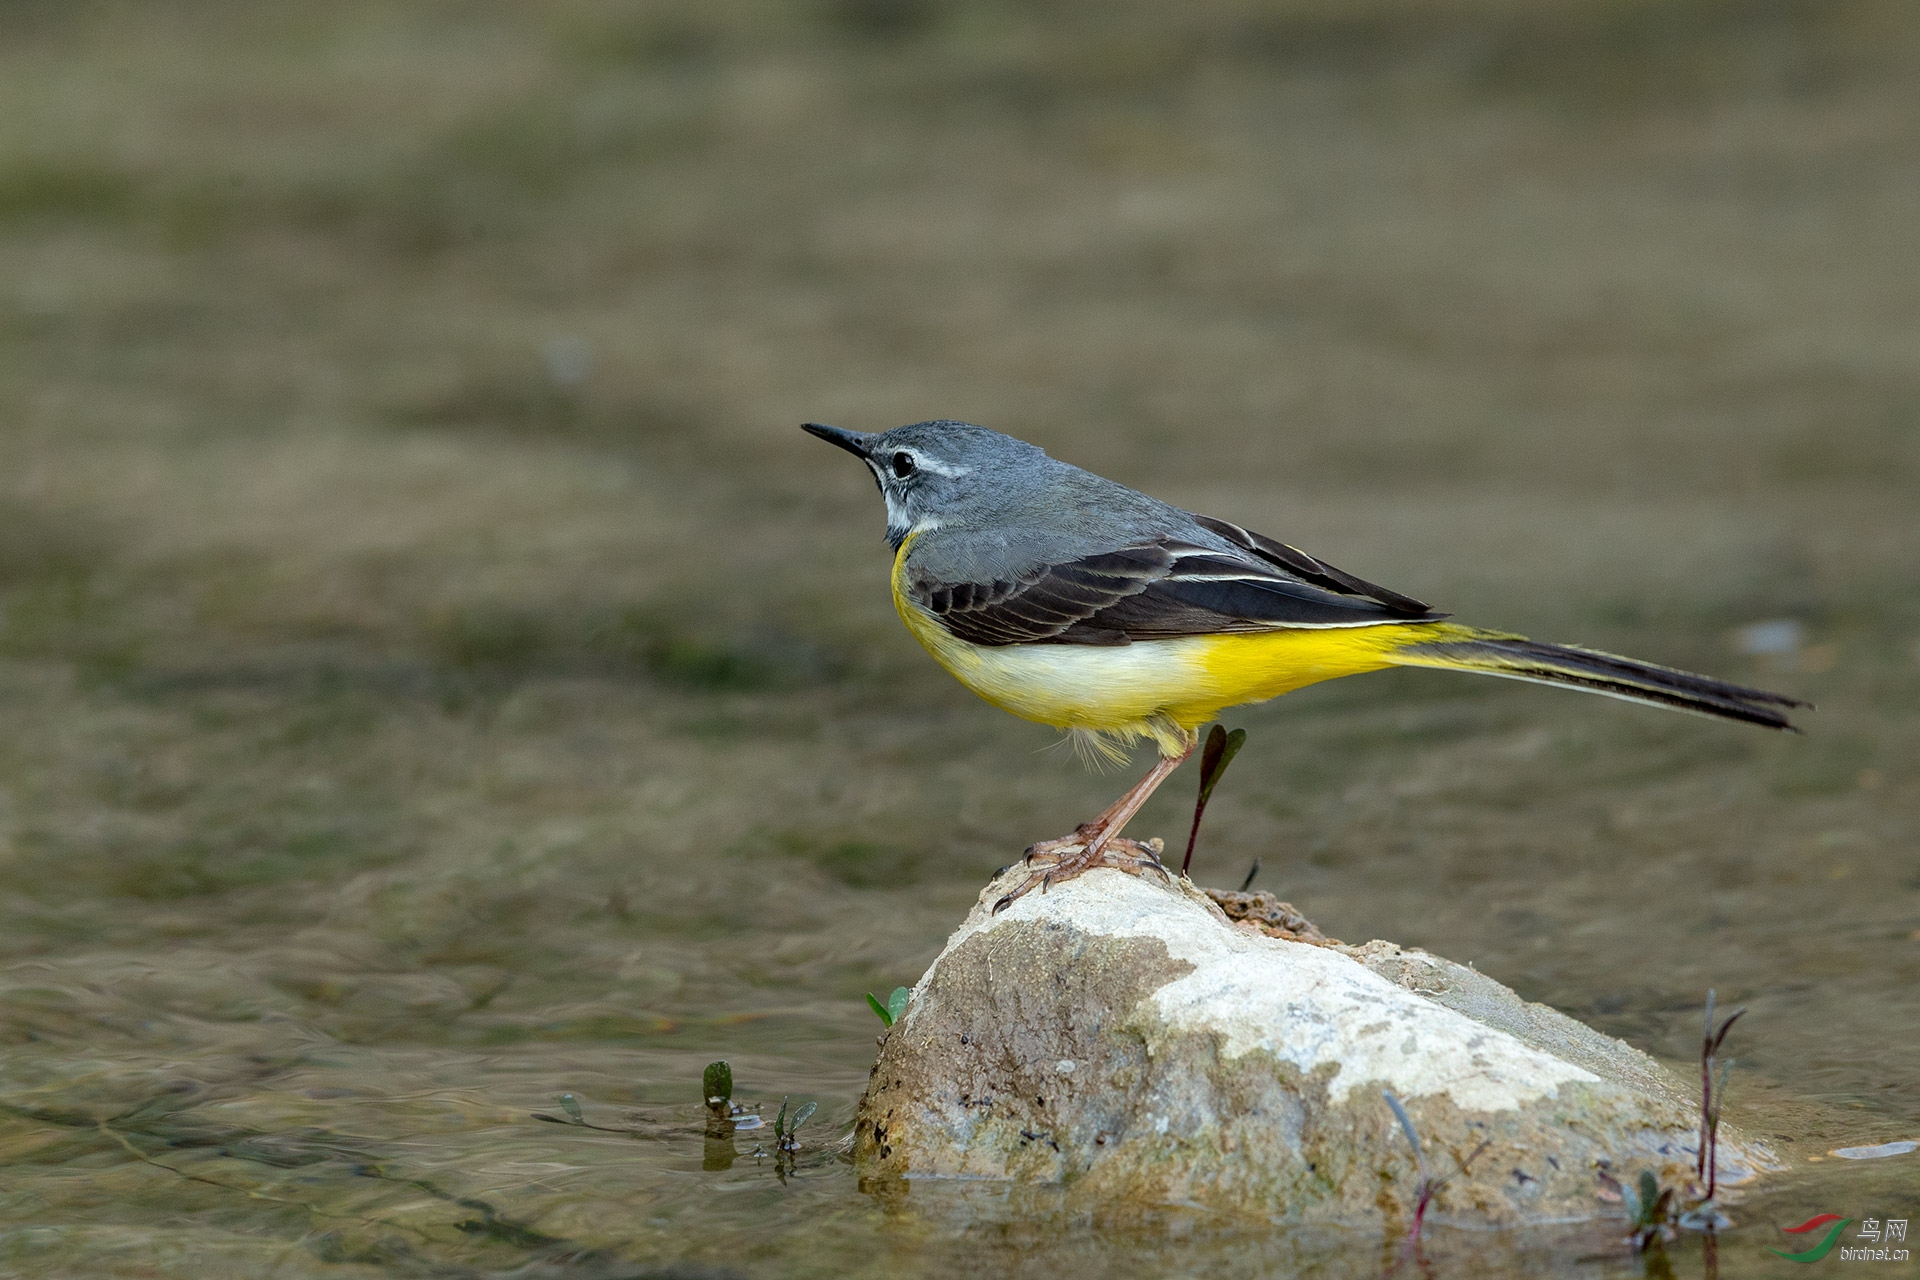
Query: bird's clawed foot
(1063, 859)
(1098, 843)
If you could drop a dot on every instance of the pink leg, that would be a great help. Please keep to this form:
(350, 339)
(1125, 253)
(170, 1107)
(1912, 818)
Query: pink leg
(1098, 843)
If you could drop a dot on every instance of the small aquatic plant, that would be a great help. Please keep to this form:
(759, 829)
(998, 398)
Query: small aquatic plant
(716, 1086)
(1428, 1186)
(1649, 1210)
(783, 1129)
(1654, 1212)
(1219, 752)
(575, 1116)
(1712, 1090)
(570, 1105)
(724, 1115)
(889, 1013)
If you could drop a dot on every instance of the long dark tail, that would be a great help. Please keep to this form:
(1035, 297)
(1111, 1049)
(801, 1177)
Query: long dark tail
(1455, 648)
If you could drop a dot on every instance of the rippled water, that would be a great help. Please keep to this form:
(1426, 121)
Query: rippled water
(438, 677)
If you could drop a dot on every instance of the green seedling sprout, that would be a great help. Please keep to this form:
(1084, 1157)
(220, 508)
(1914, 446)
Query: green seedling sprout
(783, 1129)
(716, 1086)
(1649, 1209)
(1252, 871)
(889, 1013)
(1219, 752)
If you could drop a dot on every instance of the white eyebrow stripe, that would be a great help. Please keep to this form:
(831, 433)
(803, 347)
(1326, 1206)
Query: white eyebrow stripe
(925, 463)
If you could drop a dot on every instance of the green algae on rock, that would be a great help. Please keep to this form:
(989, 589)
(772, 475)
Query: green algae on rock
(1122, 1038)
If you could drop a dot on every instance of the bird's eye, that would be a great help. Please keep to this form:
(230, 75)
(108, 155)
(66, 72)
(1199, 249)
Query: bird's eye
(903, 465)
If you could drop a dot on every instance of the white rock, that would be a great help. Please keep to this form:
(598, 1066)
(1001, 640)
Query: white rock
(1308, 1005)
(1119, 1035)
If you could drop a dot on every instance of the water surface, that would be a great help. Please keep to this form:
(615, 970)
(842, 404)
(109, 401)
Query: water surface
(438, 676)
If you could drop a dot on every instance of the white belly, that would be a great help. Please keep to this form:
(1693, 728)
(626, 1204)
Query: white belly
(1071, 686)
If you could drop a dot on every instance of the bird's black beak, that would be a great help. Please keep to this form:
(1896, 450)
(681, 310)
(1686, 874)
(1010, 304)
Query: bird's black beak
(853, 442)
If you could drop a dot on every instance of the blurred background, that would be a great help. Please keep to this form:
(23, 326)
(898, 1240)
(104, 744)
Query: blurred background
(438, 675)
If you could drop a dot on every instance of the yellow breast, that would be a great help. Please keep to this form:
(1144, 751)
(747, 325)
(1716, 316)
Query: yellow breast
(1129, 690)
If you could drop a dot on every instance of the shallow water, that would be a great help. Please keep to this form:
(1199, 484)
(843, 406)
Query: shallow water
(438, 677)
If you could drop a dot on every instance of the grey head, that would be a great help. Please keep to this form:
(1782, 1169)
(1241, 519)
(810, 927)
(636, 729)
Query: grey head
(995, 507)
(942, 473)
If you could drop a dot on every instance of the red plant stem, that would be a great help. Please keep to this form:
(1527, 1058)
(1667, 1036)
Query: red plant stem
(1713, 1154)
(1192, 836)
(1705, 1108)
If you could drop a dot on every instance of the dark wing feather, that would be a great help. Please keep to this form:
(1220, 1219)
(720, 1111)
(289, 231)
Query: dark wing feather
(1049, 602)
(1162, 590)
(1307, 568)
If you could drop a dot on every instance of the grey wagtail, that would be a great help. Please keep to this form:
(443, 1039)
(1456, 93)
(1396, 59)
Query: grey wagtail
(1079, 603)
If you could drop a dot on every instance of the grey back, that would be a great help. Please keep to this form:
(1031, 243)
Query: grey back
(1009, 508)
